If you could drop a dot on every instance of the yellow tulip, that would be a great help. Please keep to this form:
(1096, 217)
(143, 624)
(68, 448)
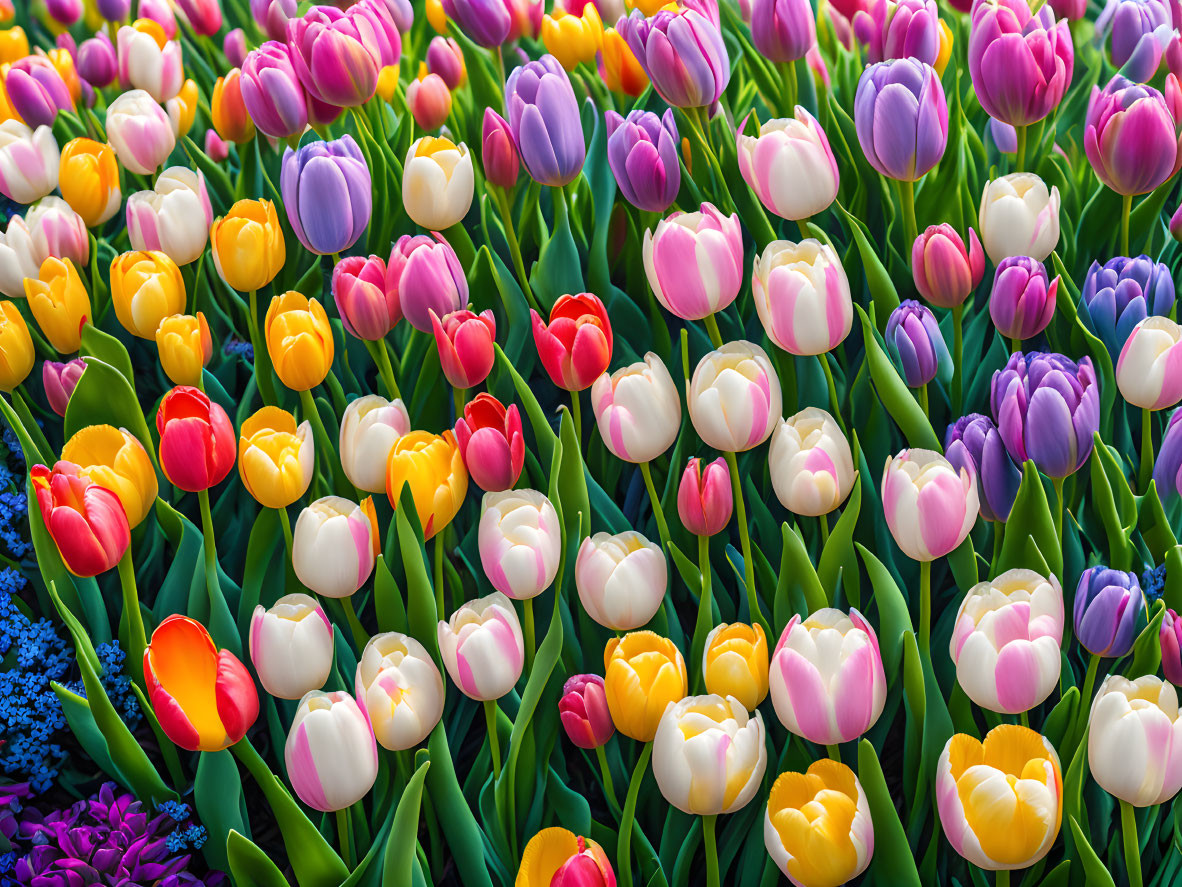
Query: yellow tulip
(153, 29)
(436, 17)
(945, 48)
(275, 457)
(248, 246)
(643, 673)
(650, 7)
(299, 340)
(388, 82)
(182, 108)
(559, 856)
(16, 347)
(115, 459)
(571, 38)
(59, 302)
(88, 177)
(735, 663)
(146, 287)
(817, 826)
(185, 347)
(14, 45)
(431, 465)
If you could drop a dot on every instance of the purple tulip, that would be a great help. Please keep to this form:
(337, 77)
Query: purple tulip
(60, 380)
(96, 61)
(1047, 408)
(1167, 470)
(64, 12)
(901, 117)
(326, 191)
(543, 113)
(1120, 294)
(402, 13)
(486, 22)
(1130, 137)
(335, 59)
(377, 27)
(113, 10)
(1004, 136)
(642, 153)
(1108, 607)
(783, 30)
(272, 16)
(272, 93)
(498, 150)
(1022, 302)
(234, 47)
(1138, 32)
(682, 53)
(1170, 637)
(973, 442)
(203, 16)
(899, 29)
(914, 340)
(36, 90)
(445, 58)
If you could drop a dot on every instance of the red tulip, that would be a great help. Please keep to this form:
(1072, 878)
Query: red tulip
(465, 342)
(87, 522)
(197, 441)
(490, 442)
(576, 346)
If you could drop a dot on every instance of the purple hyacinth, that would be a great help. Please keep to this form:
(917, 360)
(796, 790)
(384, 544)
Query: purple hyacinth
(682, 53)
(642, 153)
(901, 117)
(1121, 293)
(1108, 607)
(973, 441)
(914, 340)
(543, 114)
(1167, 470)
(326, 192)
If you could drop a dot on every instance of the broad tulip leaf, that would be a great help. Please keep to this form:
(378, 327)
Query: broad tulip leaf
(893, 862)
(250, 866)
(898, 400)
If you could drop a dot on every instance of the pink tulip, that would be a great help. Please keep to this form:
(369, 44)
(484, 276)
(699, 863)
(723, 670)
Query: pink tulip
(498, 151)
(482, 647)
(429, 101)
(705, 498)
(215, 146)
(59, 380)
(369, 309)
(1149, 370)
(234, 47)
(465, 341)
(929, 506)
(273, 95)
(789, 165)
(335, 59)
(490, 442)
(203, 16)
(1131, 137)
(376, 25)
(583, 711)
(694, 262)
(445, 58)
(161, 13)
(426, 275)
(945, 273)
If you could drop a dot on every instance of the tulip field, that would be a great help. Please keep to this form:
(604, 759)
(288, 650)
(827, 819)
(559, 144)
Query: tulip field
(580, 443)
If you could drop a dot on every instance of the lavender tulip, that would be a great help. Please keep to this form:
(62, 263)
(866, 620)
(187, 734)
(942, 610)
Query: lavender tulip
(486, 22)
(272, 93)
(113, 10)
(899, 29)
(682, 53)
(96, 61)
(1130, 137)
(1137, 32)
(326, 191)
(642, 153)
(914, 340)
(783, 30)
(1047, 409)
(1120, 294)
(1167, 470)
(1108, 609)
(973, 442)
(543, 114)
(901, 117)
(1022, 302)
(272, 16)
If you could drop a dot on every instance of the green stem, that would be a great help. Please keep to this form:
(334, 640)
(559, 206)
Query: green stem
(745, 539)
(957, 357)
(576, 414)
(137, 640)
(823, 520)
(712, 329)
(1002, 878)
(328, 454)
(1146, 467)
(834, 404)
(461, 395)
(696, 117)
(515, 248)
(344, 837)
(925, 607)
(381, 353)
(609, 787)
(360, 635)
(709, 828)
(1024, 719)
(803, 226)
(834, 752)
(1020, 157)
(998, 537)
(285, 522)
(494, 741)
(1015, 345)
(790, 86)
(1057, 483)
(658, 512)
(262, 361)
(1085, 699)
(907, 200)
(21, 405)
(624, 852)
(923, 398)
(212, 585)
(1126, 208)
(1132, 850)
(528, 606)
(438, 577)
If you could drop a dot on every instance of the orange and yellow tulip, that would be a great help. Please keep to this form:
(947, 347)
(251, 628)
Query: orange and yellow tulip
(88, 177)
(115, 459)
(299, 340)
(146, 287)
(248, 245)
(185, 347)
(431, 465)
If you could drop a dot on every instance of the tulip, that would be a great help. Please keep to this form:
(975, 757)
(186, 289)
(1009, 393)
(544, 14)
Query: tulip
(332, 547)
(62, 60)
(431, 466)
(335, 56)
(228, 111)
(734, 397)
(1019, 217)
(916, 344)
(113, 10)
(930, 506)
(185, 347)
(89, 180)
(491, 444)
(811, 465)
(1135, 740)
(234, 47)
(248, 245)
(437, 183)
(85, 520)
(114, 459)
(465, 341)
(696, 289)
(203, 16)
(36, 90)
(543, 115)
(327, 194)
(58, 300)
(445, 58)
(148, 61)
(196, 439)
(789, 165)
(368, 308)
(618, 66)
(29, 161)
(974, 444)
(64, 12)
(643, 674)
(583, 711)
(1121, 293)
(58, 231)
(16, 348)
(485, 22)
(291, 646)
(802, 296)
(520, 541)
(174, 217)
(1130, 137)
(1072, 10)
(146, 287)
(272, 16)
(1001, 799)
(704, 497)
(817, 827)
(572, 38)
(203, 697)
(638, 410)
(1170, 637)
(682, 53)
(1047, 409)
(370, 426)
(642, 154)
(426, 278)
(1137, 33)
(556, 857)
(428, 99)
(299, 340)
(18, 258)
(735, 663)
(59, 381)
(899, 29)
(621, 579)
(330, 753)
(182, 109)
(902, 118)
(783, 30)
(498, 151)
(272, 93)
(1108, 611)
(375, 22)
(275, 458)
(945, 273)
(399, 687)
(1149, 371)
(159, 11)
(576, 346)
(1167, 470)
(482, 647)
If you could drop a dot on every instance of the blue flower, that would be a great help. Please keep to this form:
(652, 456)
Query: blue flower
(1153, 583)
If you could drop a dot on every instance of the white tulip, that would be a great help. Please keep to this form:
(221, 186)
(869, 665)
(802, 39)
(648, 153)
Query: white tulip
(370, 427)
(621, 579)
(638, 410)
(331, 755)
(332, 547)
(810, 462)
(437, 183)
(291, 646)
(1019, 217)
(1135, 740)
(482, 647)
(400, 689)
(520, 542)
(29, 161)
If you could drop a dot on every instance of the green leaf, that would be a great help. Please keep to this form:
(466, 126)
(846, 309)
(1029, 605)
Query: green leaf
(104, 346)
(464, 837)
(895, 395)
(894, 619)
(882, 291)
(1095, 872)
(420, 610)
(400, 847)
(797, 571)
(1115, 503)
(217, 795)
(1031, 540)
(893, 862)
(544, 435)
(105, 397)
(249, 865)
(1154, 526)
(1061, 720)
(82, 725)
(558, 270)
(838, 552)
(1147, 647)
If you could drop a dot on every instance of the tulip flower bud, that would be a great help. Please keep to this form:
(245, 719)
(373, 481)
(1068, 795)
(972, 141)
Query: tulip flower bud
(930, 506)
(182, 109)
(1130, 137)
(485, 22)
(291, 646)
(556, 857)
(638, 410)
(149, 61)
(58, 231)
(817, 827)
(174, 217)
(275, 458)
(734, 397)
(1120, 294)
(274, 98)
(945, 273)
(64, 12)
(400, 688)
(368, 307)
(14, 43)
(802, 296)
(520, 541)
(1170, 637)
(618, 65)
(89, 180)
(228, 111)
(184, 346)
(85, 521)
(431, 466)
(203, 16)
(29, 161)
(58, 300)
(19, 258)
(248, 245)
(1149, 371)
(299, 340)
(327, 194)
(914, 341)
(783, 30)
(683, 54)
(576, 346)
(735, 663)
(811, 465)
(96, 61)
(583, 711)
(1109, 611)
(491, 443)
(694, 262)
(335, 55)
(115, 459)
(437, 183)
(498, 151)
(203, 697)
(146, 287)
(1019, 217)
(36, 90)
(425, 276)
(331, 755)
(482, 647)
(113, 10)
(370, 427)
(1000, 800)
(704, 497)
(465, 341)
(196, 439)
(899, 29)
(16, 347)
(974, 444)
(902, 118)
(160, 12)
(428, 99)
(642, 154)
(445, 58)
(789, 165)
(643, 674)
(59, 380)
(621, 579)
(543, 114)
(332, 547)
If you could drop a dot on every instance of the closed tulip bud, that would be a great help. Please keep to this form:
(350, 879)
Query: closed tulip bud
(149, 61)
(618, 66)
(1135, 740)
(89, 180)
(113, 10)
(945, 273)
(683, 54)
(583, 711)
(18, 258)
(146, 287)
(621, 579)
(485, 22)
(58, 300)
(272, 16)
(16, 347)
(1149, 371)
(234, 47)
(638, 410)
(331, 755)
(203, 697)
(902, 118)
(643, 674)
(1019, 217)
(445, 58)
(930, 506)
(1108, 612)
(96, 61)
(182, 109)
(543, 114)
(400, 688)
(498, 151)
(332, 547)
(299, 340)
(159, 11)
(1170, 638)
(1121, 293)
(336, 57)
(810, 462)
(14, 43)
(783, 30)
(491, 443)
(735, 663)
(556, 857)
(431, 466)
(428, 99)
(789, 165)
(520, 541)
(64, 12)
(291, 646)
(203, 16)
(1138, 34)
(465, 341)
(437, 183)
(734, 397)
(29, 161)
(1001, 799)
(36, 90)
(914, 341)
(58, 231)
(228, 112)
(704, 497)
(275, 457)
(185, 347)
(576, 345)
(695, 289)
(85, 520)
(899, 29)
(370, 427)
(327, 194)
(642, 154)
(482, 647)
(174, 217)
(974, 444)
(115, 459)
(272, 93)
(248, 245)
(802, 296)
(1130, 137)
(196, 439)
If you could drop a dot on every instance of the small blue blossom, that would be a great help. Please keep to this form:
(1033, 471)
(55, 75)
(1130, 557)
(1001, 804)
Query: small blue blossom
(236, 347)
(14, 445)
(178, 811)
(1153, 583)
